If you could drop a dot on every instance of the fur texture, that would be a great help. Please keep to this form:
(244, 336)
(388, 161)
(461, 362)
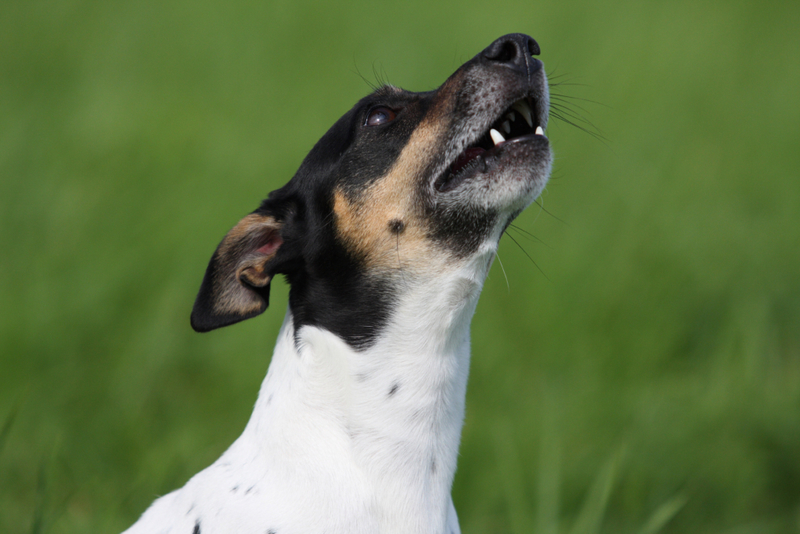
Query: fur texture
(385, 234)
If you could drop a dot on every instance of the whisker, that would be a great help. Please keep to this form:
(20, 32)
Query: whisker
(528, 235)
(399, 262)
(569, 84)
(559, 101)
(511, 237)
(596, 135)
(570, 97)
(497, 255)
(550, 214)
(568, 111)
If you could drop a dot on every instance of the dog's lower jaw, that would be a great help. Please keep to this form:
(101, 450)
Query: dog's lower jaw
(343, 440)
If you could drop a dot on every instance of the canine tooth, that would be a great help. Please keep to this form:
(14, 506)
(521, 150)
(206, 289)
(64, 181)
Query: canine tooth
(507, 127)
(497, 137)
(539, 130)
(524, 110)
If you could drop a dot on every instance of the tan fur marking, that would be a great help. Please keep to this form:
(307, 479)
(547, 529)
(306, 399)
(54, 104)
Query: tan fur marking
(363, 222)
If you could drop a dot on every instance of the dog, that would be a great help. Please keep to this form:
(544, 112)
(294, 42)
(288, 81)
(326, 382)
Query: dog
(385, 235)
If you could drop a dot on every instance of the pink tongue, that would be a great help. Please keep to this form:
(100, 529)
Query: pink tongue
(465, 157)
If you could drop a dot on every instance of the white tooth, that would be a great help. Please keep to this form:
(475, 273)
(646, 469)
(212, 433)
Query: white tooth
(539, 130)
(507, 127)
(497, 137)
(525, 110)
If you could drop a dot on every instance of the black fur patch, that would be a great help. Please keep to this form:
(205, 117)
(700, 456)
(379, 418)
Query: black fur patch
(327, 264)
(461, 231)
(330, 287)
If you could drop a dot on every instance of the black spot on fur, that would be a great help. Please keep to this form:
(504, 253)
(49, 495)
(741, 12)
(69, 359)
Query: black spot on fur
(330, 286)
(248, 490)
(433, 466)
(196, 527)
(394, 389)
(235, 489)
(271, 531)
(396, 226)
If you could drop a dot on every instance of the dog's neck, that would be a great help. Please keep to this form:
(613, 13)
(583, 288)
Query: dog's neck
(383, 422)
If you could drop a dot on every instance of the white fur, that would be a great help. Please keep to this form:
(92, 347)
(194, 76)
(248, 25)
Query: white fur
(328, 449)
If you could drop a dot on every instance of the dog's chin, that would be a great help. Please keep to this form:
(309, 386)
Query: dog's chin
(507, 177)
(512, 148)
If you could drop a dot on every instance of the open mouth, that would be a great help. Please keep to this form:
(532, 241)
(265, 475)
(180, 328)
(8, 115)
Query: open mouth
(519, 122)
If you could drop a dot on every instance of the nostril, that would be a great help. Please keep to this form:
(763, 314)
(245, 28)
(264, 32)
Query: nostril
(512, 49)
(533, 47)
(506, 52)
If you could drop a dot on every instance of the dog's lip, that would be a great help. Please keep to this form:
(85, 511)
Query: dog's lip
(486, 149)
(484, 163)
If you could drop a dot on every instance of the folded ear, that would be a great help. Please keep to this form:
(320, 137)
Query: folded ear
(236, 283)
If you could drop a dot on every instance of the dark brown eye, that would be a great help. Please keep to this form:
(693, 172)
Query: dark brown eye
(380, 116)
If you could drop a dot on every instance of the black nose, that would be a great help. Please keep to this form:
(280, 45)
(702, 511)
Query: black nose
(513, 50)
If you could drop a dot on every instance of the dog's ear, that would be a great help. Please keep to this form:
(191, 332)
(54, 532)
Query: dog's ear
(236, 283)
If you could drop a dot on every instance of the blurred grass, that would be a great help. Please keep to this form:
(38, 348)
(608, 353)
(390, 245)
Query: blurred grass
(666, 322)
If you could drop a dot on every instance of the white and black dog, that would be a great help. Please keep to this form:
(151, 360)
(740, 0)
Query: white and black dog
(385, 234)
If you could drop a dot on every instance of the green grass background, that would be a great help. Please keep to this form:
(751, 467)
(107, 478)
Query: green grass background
(645, 376)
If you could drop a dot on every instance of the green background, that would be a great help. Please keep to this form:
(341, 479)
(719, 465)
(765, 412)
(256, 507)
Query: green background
(645, 375)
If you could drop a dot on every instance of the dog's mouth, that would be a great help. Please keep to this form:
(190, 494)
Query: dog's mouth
(519, 123)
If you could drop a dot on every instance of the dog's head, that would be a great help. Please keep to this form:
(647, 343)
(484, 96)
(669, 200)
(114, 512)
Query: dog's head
(404, 185)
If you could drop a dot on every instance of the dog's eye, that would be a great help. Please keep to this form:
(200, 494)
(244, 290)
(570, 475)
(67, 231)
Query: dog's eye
(380, 116)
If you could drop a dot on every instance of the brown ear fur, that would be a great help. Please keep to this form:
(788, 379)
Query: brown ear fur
(236, 283)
